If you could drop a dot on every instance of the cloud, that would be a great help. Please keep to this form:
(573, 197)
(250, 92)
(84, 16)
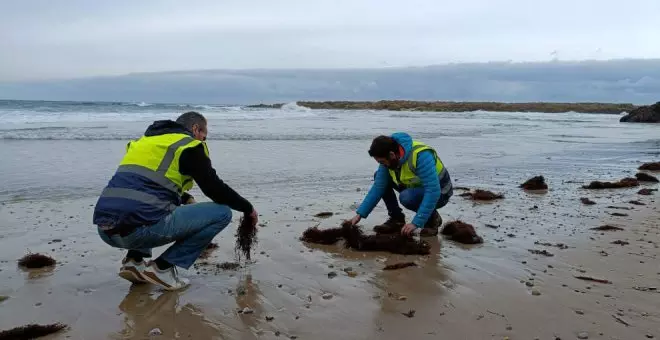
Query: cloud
(634, 81)
(48, 39)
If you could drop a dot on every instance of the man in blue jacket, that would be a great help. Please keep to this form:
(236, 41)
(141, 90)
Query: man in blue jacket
(417, 173)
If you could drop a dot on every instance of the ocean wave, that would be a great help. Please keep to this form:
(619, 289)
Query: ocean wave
(49, 128)
(82, 136)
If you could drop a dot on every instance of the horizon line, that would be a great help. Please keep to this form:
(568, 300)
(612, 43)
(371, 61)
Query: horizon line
(173, 71)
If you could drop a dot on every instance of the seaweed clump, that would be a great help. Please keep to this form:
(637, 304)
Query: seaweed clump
(393, 243)
(652, 166)
(646, 191)
(587, 201)
(355, 239)
(644, 177)
(36, 261)
(627, 182)
(327, 236)
(482, 195)
(535, 183)
(461, 232)
(246, 236)
(31, 331)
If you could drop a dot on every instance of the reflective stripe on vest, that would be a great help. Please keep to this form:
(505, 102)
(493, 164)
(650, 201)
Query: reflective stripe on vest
(410, 179)
(139, 196)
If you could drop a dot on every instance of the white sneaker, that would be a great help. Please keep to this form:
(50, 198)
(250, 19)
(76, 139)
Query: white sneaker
(131, 270)
(168, 279)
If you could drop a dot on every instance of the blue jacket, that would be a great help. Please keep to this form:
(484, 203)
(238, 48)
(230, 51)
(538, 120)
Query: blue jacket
(425, 171)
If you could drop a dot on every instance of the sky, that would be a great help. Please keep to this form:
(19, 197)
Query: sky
(48, 39)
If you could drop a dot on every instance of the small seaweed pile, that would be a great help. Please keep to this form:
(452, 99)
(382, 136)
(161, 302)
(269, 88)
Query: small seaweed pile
(652, 166)
(37, 260)
(393, 243)
(355, 239)
(461, 232)
(646, 191)
(587, 201)
(644, 177)
(326, 236)
(535, 183)
(482, 195)
(627, 182)
(246, 237)
(31, 331)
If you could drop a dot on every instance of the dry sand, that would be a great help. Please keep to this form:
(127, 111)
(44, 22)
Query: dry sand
(485, 291)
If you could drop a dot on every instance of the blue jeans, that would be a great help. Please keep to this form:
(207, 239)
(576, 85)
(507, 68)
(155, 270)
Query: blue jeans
(190, 227)
(410, 198)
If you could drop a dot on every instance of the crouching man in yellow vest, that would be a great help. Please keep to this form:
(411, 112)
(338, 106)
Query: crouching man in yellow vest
(417, 173)
(146, 204)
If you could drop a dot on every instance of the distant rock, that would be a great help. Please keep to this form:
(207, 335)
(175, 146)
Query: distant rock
(643, 114)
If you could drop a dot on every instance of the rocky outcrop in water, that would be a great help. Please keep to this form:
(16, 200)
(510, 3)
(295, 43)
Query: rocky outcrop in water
(643, 114)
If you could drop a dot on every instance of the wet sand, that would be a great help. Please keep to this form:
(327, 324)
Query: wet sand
(495, 290)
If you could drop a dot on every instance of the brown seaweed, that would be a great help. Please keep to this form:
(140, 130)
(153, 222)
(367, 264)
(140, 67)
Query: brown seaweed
(355, 239)
(592, 279)
(535, 183)
(31, 331)
(646, 191)
(246, 237)
(482, 195)
(644, 177)
(587, 201)
(627, 182)
(326, 236)
(652, 166)
(324, 214)
(541, 252)
(607, 227)
(36, 261)
(393, 243)
(461, 232)
(400, 265)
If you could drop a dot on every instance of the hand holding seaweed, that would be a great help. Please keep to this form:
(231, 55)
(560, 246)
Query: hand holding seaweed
(246, 235)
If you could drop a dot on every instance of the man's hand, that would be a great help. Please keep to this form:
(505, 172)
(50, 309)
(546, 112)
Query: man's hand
(255, 218)
(356, 219)
(408, 229)
(191, 200)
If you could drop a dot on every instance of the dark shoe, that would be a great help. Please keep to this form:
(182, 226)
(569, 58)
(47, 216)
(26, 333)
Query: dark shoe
(432, 225)
(391, 226)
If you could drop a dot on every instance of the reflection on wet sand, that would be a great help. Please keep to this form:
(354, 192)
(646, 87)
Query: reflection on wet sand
(417, 291)
(163, 315)
(421, 289)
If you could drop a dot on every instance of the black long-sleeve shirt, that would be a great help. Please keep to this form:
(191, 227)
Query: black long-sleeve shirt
(194, 162)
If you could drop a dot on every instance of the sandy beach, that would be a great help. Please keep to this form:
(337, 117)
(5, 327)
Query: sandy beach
(458, 292)
(496, 290)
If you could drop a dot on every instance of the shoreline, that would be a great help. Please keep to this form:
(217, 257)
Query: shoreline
(453, 106)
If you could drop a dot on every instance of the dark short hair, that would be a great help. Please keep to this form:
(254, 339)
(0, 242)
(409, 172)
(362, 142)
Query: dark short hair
(191, 118)
(382, 145)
